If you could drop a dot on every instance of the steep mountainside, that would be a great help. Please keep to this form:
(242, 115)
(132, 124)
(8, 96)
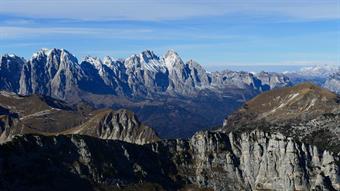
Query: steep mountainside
(117, 125)
(53, 73)
(57, 73)
(10, 68)
(48, 116)
(304, 111)
(152, 86)
(216, 161)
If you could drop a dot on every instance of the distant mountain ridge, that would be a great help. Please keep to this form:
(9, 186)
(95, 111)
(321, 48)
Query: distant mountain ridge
(165, 92)
(57, 73)
(322, 75)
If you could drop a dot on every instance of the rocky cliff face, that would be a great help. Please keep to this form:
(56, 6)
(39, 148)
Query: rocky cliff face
(52, 72)
(10, 71)
(57, 73)
(306, 112)
(261, 161)
(8, 121)
(116, 125)
(286, 139)
(273, 80)
(249, 161)
(333, 82)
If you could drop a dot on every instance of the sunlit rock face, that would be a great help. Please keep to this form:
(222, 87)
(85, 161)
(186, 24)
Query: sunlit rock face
(253, 160)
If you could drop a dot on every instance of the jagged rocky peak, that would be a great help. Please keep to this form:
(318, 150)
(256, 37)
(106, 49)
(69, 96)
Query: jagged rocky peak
(273, 80)
(148, 55)
(55, 56)
(172, 60)
(171, 54)
(117, 125)
(195, 65)
(9, 57)
(10, 71)
(93, 60)
(53, 72)
(111, 62)
(198, 74)
(146, 60)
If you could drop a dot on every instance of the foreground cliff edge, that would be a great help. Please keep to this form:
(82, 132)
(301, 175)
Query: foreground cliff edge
(292, 143)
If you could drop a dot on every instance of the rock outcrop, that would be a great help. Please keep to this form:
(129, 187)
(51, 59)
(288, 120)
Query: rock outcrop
(116, 125)
(10, 72)
(249, 161)
(306, 112)
(48, 116)
(54, 73)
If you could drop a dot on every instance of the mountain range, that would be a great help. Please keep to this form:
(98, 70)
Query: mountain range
(163, 91)
(67, 125)
(283, 139)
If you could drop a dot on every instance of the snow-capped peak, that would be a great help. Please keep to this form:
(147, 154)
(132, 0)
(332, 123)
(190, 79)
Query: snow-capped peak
(146, 60)
(172, 59)
(94, 61)
(171, 53)
(148, 55)
(319, 70)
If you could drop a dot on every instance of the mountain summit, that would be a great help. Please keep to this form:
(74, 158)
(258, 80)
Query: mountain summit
(155, 87)
(305, 111)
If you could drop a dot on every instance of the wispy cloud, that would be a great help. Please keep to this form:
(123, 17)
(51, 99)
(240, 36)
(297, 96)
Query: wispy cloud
(138, 33)
(168, 9)
(7, 32)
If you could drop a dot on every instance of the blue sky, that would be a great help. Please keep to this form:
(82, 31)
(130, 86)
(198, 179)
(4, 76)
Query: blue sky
(248, 35)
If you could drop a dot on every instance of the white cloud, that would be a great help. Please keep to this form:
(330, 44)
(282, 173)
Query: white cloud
(167, 9)
(7, 32)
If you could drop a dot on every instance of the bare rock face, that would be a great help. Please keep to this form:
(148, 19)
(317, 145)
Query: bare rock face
(116, 125)
(306, 112)
(152, 86)
(249, 161)
(273, 80)
(48, 116)
(261, 161)
(10, 71)
(56, 73)
(146, 73)
(52, 72)
(8, 120)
